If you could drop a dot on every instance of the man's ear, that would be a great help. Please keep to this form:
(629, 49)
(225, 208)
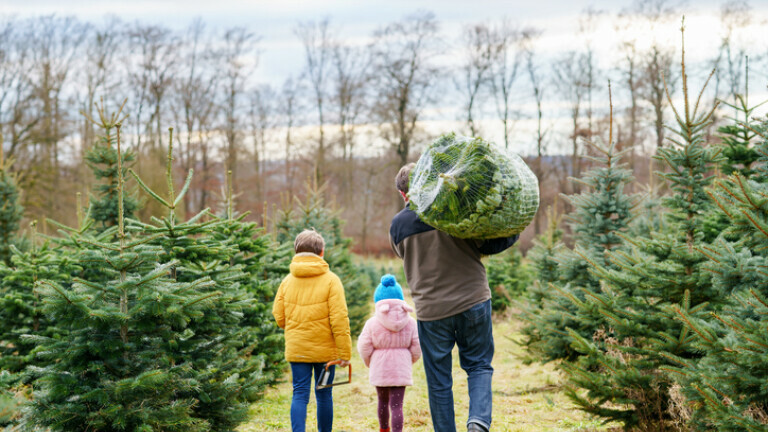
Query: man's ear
(402, 194)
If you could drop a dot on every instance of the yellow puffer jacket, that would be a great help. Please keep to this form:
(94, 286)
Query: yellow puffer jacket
(311, 307)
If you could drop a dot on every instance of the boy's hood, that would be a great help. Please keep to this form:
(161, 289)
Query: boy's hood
(305, 265)
(393, 314)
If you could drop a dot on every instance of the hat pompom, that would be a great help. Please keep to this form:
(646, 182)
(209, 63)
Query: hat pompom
(388, 289)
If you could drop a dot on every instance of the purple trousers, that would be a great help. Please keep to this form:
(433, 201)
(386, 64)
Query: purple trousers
(391, 401)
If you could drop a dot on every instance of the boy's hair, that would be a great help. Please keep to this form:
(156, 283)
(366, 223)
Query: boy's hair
(309, 240)
(403, 177)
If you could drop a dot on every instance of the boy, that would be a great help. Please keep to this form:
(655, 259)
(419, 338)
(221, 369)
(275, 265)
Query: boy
(311, 307)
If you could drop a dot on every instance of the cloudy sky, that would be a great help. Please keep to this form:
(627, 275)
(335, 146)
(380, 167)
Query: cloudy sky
(355, 20)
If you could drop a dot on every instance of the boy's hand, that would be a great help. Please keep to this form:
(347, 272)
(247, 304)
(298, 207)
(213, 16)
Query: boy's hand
(343, 363)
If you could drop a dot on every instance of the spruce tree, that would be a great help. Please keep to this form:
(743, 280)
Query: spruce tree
(623, 365)
(115, 367)
(601, 216)
(315, 213)
(509, 276)
(219, 347)
(11, 211)
(102, 158)
(725, 390)
(21, 309)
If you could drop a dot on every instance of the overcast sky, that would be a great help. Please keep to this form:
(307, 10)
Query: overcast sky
(355, 20)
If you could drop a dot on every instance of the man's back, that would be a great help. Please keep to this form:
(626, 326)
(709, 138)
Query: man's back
(445, 273)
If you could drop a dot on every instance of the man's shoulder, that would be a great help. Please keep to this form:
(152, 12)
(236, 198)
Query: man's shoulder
(405, 224)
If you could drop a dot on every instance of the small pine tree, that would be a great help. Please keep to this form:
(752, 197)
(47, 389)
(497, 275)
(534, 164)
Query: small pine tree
(21, 309)
(509, 276)
(314, 213)
(623, 365)
(11, 211)
(601, 216)
(726, 389)
(102, 158)
(115, 367)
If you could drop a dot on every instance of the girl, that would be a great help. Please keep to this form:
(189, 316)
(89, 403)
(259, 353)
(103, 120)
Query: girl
(389, 345)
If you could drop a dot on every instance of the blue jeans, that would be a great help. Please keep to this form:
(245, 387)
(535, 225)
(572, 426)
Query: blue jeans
(472, 331)
(302, 381)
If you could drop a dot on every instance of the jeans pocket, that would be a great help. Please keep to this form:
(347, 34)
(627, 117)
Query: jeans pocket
(476, 312)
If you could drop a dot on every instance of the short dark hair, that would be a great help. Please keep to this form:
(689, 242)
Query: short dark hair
(403, 177)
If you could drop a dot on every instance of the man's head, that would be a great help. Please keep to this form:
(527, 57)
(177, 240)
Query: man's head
(402, 179)
(309, 240)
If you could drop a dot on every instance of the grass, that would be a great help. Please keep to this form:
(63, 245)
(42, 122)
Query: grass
(526, 397)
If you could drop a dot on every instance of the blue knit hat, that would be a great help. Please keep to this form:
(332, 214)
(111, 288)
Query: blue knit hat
(388, 289)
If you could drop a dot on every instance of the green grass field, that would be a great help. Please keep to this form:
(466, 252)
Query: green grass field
(526, 397)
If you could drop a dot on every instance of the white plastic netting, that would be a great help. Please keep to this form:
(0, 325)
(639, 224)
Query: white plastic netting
(471, 188)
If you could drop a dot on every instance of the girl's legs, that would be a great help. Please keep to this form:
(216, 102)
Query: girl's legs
(396, 396)
(324, 398)
(383, 394)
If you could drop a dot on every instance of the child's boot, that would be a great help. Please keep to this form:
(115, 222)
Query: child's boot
(383, 430)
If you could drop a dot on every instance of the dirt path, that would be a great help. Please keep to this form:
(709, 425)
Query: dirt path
(526, 398)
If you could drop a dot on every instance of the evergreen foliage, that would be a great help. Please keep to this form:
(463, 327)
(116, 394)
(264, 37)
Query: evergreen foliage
(21, 309)
(624, 363)
(102, 158)
(357, 280)
(509, 276)
(601, 215)
(726, 389)
(11, 211)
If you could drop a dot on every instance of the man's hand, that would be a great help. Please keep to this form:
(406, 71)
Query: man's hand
(343, 363)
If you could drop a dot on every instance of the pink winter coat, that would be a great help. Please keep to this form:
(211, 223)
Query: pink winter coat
(389, 344)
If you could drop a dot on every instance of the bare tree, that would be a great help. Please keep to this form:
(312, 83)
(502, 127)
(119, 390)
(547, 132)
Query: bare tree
(734, 16)
(479, 51)
(261, 115)
(194, 106)
(318, 48)
(405, 78)
(239, 46)
(569, 80)
(504, 68)
(16, 97)
(289, 110)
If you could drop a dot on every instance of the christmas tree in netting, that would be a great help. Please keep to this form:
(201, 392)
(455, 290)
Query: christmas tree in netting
(623, 366)
(315, 213)
(601, 215)
(725, 390)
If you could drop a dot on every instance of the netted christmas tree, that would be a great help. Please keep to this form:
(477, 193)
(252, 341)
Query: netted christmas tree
(315, 213)
(102, 158)
(725, 390)
(601, 215)
(623, 364)
(11, 210)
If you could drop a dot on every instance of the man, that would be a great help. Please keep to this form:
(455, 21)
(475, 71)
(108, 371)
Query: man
(453, 307)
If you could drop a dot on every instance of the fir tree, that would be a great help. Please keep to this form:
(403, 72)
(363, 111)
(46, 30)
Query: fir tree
(508, 277)
(623, 365)
(102, 158)
(21, 310)
(11, 211)
(114, 368)
(314, 213)
(219, 346)
(601, 215)
(726, 389)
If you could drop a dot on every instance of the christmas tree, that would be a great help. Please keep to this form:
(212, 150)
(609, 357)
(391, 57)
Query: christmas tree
(102, 158)
(358, 280)
(601, 215)
(11, 211)
(115, 367)
(623, 364)
(222, 348)
(508, 277)
(726, 389)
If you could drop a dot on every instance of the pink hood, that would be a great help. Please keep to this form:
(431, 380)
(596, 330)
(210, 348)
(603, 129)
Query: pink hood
(393, 314)
(389, 344)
